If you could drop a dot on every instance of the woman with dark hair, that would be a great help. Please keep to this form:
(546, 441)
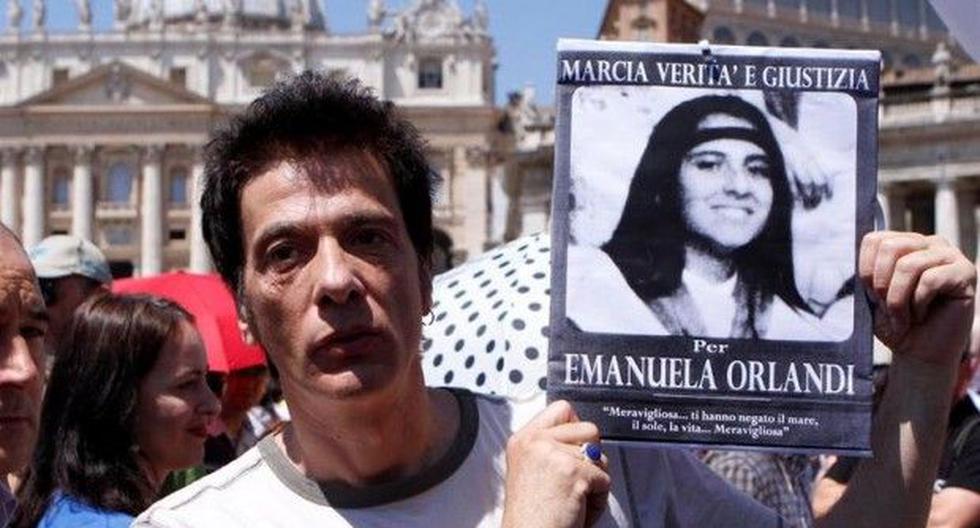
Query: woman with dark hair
(127, 402)
(705, 238)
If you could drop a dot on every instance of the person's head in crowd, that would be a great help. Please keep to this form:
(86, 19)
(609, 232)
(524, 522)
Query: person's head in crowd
(712, 177)
(127, 403)
(23, 323)
(70, 270)
(317, 209)
(244, 389)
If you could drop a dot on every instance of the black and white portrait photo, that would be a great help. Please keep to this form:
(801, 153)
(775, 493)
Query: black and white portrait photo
(712, 213)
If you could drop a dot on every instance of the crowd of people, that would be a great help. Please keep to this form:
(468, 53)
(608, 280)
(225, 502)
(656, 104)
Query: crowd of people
(317, 210)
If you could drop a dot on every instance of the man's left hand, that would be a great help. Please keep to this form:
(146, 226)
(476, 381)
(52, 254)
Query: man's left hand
(923, 289)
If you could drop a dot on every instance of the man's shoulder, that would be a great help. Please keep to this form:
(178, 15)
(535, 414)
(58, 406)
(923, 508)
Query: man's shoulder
(243, 479)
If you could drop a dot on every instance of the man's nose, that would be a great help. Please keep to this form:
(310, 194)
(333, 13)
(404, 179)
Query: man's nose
(337, 278)
(17, 363)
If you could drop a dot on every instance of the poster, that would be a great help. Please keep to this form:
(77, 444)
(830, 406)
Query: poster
(709, 203)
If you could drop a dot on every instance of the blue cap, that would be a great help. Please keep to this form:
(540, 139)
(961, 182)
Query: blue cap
(63, 255)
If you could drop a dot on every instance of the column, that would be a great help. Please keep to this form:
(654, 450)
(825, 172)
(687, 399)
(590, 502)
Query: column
(884, 222)
(200, 257)
(83, 201)
(8, 190)
(947, 215)
(34, 198)
(151, 212)
(976, 232)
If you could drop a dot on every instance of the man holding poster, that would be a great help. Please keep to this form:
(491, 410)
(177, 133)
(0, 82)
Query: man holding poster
(317, 209)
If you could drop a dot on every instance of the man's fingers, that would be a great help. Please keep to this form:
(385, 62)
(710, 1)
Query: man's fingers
(575, 433)
(956, 278)
(559, 412)
(876, 269)
(905, 279)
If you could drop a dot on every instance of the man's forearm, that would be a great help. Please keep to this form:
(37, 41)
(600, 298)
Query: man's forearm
(894, 488)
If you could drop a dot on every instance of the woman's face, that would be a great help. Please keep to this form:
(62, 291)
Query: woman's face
(175, 406)
(725, 188)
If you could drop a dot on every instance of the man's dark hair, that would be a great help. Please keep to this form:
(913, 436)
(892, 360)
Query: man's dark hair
(648, 243)
(305, 120)
(87, 445)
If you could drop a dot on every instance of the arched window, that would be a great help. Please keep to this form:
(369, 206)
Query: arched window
(723, 35)
(119, 184)
(820, 7)
(60, 189)
(908, 13)
(757, 39)
(880, 10)
(178, 186)
(789, 42)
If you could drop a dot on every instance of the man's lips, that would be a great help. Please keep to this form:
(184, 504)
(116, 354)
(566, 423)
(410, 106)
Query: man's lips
(340, 348)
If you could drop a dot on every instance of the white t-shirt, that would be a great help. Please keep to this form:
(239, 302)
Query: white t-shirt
(464, 489)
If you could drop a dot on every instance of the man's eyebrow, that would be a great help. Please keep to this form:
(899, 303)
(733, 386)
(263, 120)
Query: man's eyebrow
(38, 312)
(276, 230)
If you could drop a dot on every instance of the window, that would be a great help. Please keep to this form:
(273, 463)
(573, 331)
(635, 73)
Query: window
(723, 35)
(60, 189)
(178, 234)
(178, 76)
(908, 13)
(821, 44)
(849, 9)
(118, 235)
(56, 232)
(911, 61)
(789, 42)
(757, 39)
(178, 186)
(430, 73)
(790, 4)
(820, 7)
(880, 10)
(59, 76)
(119, 184)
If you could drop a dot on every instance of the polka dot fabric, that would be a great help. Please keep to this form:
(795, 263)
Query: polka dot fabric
(489, 333)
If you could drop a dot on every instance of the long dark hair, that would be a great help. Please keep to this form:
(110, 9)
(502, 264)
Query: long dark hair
(648, 243)
(86, 443)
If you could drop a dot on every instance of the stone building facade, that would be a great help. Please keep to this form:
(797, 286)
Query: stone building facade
(101, 132)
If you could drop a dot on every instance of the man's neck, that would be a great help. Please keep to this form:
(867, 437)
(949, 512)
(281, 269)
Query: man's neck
(389, 438)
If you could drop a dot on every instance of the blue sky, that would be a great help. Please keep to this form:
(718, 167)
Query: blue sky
(525, 31)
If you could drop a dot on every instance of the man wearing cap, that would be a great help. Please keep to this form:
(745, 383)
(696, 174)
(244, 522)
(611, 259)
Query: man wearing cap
(23, 323)
(317, 210)
(70, 269)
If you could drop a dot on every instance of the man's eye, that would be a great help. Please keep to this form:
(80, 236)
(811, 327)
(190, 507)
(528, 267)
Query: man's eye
(281, 254)
(368, 238)
(32, 332)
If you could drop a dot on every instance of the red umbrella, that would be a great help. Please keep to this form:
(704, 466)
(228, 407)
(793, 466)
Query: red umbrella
(213, 307)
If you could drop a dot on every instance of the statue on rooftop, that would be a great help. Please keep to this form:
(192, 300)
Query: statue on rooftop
(15, 13)
(39, 15)
(376, 12)
(84, 14)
